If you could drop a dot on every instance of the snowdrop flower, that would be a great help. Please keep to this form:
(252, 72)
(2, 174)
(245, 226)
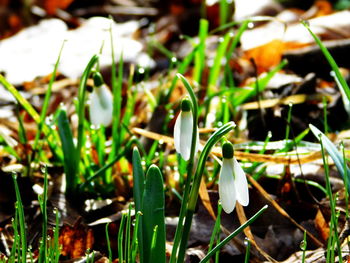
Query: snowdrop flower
(183, 131)
(101, 103)
(233, 184)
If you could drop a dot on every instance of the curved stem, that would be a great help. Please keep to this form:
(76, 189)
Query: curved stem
(193, 197)
(180, 225)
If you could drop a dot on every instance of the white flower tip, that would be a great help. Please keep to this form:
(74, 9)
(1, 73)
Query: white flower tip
(183, 130)
(228, 208)
(227, 190)
(241, 184)
(101, 106)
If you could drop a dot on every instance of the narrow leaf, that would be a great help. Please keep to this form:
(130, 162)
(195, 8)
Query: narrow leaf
(334, 153)
(139, 185)
(69, 160)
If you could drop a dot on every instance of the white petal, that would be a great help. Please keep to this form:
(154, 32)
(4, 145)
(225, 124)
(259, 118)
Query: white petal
(186, 134)
(177, 133)
(183, 134)
(241, 184)
(227, 190)
(101, 106)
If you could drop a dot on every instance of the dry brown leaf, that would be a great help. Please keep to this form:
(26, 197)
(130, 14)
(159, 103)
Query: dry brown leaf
(51, 6)
(247, 231)
(203, 194)
(75, 240)
(252, 157)
(294, 99)
(322, 225)
(281, 210)
(270, 54)
(323, 8)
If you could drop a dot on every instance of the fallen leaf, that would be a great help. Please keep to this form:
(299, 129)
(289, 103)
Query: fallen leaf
(322, 225)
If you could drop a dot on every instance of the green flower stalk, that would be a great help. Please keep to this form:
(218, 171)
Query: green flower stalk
(233, 184)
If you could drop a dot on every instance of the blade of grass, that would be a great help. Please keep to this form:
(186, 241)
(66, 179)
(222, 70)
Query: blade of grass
(69, 161)
(43, 205)
(193, 196)
(81, 110)
(138, 178)
(121, 237)
(130, 105)
(199, 61)
(334, 219)
(21, 130)
(247, 242)
(233, 234)
(46, 101)
(244, 94)
(223, 11)
(334, 153)
(135, 244)
(56, 233)
(138, 189)
(22, 223)
(117, 84)
(343, 84)
(215, 70)
(108, 244)
(128, 240)
(345, 181)
(216, 229)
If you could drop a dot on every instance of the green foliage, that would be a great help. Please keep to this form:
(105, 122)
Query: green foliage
(233, 234)
(334, 153)
(68, 148)
(153, 216)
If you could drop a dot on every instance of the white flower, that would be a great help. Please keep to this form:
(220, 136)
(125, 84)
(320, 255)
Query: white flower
(183, 130)
(101, 103)
(233, 184)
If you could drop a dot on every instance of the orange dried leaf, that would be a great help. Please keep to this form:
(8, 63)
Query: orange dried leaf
(203, 193)
(323, 8)
(321, 225)
(51, 6)
(75, 240)
(270, 54)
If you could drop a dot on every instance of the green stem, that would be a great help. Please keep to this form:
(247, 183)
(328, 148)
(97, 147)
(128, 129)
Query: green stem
(331, 61)
(233, 234)
(46, 103)
(81, 106)
(196, 183)
(179, 228)
(331, 200)
(22, 223)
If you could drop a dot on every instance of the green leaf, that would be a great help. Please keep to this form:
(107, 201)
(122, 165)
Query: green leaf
(334, 153)
(81, 109)
(215, 70)
(338, 76)
(138, 177)
(139, 186)
(244, 94)
(153, 215)
(69, 158)
(233, 234)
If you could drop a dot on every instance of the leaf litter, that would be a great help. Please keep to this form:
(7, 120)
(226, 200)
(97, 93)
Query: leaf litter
(294, 190)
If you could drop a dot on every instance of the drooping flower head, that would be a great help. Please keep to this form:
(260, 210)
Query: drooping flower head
(233, 184)
(101, 102)
(183, 130)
